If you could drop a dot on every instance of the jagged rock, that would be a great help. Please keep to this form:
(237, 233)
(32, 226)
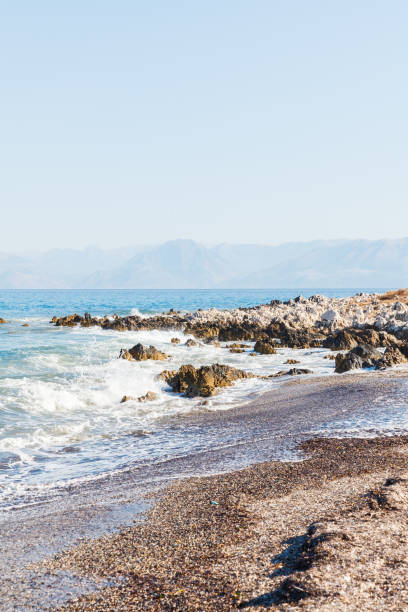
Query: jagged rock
(342, 341)
(265, 348)
(126, 398)
(392, 356)
(149, 397)
(291, 372)
(190, 342)
(206, 331)
(2, 321)
(362, 356)
(347, 362)
(300, 338)
(125, 354)
(347, 339)
(68, 321)
(202, 381)
(291, 361)
(175, 340)
(88, 321)
(141, 353)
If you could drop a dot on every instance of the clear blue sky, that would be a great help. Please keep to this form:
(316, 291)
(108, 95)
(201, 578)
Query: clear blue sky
(219, 120)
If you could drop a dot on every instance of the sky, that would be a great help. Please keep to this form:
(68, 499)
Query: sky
(259, 121)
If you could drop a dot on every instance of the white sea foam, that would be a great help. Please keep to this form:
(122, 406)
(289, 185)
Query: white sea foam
(64, 388)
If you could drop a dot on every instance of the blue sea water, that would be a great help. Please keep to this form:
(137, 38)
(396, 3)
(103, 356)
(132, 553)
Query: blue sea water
(61, 418)
(46, 303)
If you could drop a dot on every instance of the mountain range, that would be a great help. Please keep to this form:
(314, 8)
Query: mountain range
(181, 264)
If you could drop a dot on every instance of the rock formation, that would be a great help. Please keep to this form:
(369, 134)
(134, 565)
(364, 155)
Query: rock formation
(142, 353)
(202, 381)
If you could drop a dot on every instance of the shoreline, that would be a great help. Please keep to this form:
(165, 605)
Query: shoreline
(247, 539)
(113, 501)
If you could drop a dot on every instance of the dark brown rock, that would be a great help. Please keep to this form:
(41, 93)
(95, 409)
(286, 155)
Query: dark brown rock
(142, 353)
(392, 356)
(202, 381)
(291, 372)
(342, 341)
(361, 356)
(265, 348)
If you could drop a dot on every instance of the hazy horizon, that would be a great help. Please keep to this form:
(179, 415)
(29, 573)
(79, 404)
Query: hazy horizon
(187, 264)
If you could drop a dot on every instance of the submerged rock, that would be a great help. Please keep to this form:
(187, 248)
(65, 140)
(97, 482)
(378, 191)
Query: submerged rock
(126, 398)
(291, 372)
(142, 353)
(149, 397)
(291, 361)
(190, 342)
(202, 381)
(236, 350)
(175, 340)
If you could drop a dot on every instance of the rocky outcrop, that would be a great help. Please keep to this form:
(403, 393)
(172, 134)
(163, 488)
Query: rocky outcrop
(392, 356)
(142, 353)
(265, 348)
(68, 321)
(362, 356)
(2, 321)
(300, 323)
(202, 381)
(342, 341)
(348, 339)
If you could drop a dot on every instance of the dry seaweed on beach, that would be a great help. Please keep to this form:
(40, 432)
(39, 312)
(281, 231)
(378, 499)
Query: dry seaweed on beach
(244, 539)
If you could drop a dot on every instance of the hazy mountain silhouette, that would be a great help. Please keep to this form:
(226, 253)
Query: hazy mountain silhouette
(188, 264)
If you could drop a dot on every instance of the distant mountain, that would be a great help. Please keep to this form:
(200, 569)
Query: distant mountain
(178, 264)
(346, 263)
(188, 264)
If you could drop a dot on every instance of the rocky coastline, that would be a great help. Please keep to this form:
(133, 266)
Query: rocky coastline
(357, 324)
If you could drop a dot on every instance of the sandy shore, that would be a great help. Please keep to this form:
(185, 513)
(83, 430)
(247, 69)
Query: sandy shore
(326, 533)
(253, 546)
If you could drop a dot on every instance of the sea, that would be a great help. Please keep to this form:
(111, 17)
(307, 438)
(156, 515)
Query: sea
(61, 416)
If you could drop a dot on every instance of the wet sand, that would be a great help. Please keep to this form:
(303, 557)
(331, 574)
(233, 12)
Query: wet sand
(175, 559)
